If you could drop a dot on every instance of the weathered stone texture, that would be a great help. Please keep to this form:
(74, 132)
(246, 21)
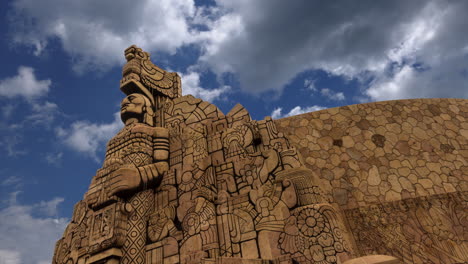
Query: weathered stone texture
(184, 183)
(393, 153)
(383, 143)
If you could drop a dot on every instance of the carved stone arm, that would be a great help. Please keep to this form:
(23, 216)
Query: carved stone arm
(150, 173)
(161, 144)
(128, 178)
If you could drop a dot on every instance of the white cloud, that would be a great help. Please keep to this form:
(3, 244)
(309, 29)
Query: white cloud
(267, 43)
(24, 84)
(13, 134)
(11, 181)
(432, 61)
(40, 112)
(43, 114)
(392, 88)
(7, 110)
(278, 112)
(10, 144)
(221, 30)
(276, 40)
(27, 236)
(96, 33)
(339, 96)
(54, 158)
(9, 257)
(191, 85)
(309, 84)
(49, 208)
(87, 138)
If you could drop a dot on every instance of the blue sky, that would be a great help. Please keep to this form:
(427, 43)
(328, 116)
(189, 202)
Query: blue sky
(62, 64)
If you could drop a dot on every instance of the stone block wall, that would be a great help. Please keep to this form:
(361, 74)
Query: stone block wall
(385, 151)
(397, 169)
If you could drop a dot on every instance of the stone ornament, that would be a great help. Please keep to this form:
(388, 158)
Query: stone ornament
(184, 183)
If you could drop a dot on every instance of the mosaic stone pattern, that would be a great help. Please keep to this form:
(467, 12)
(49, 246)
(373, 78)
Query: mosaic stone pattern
(382, 161)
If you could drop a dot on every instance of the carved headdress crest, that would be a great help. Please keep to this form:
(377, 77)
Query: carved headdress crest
(140, 75)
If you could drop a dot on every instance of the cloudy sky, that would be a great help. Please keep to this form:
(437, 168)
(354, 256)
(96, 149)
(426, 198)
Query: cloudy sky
(62, 64)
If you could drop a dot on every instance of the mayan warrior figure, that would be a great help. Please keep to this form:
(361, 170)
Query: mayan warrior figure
(184, 183)
(135, 159)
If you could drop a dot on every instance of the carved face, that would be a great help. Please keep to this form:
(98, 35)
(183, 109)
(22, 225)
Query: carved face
(133, 106)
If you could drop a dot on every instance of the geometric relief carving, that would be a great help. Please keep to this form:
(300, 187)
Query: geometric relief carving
(416, 230)
(135, 241)
(181, 182)
(311, 235)
(107, 228)
(102, 224)
(184, 183)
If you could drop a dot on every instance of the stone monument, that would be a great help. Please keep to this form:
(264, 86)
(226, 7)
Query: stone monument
(184, 183)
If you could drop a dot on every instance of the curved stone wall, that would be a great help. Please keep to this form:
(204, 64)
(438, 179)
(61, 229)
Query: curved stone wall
(397, 169)
(385, 151)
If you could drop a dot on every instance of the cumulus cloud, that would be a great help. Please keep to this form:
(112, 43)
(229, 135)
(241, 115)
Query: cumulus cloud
(54, 158)
(42, 114)
(276, 40)
(267, 43)
(272, 48)
(278, 112)
(87, 138)
(95, 33)
(24, 84)
(309, 84)
(10, 143)
(442, 77)
(433, 59)
(28, 232)
(49, 208)
(335, 96)
(191, 85)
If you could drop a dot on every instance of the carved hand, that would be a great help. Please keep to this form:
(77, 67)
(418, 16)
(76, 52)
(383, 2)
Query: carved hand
(124, 179)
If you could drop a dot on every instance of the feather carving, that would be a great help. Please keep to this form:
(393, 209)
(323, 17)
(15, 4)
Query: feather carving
(141, 75)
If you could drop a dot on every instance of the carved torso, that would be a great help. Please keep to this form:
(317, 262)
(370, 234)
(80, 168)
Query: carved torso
(132, 146)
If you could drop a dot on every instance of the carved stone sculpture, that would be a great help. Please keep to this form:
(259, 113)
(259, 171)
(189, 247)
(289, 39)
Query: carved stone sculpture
(184, 183)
